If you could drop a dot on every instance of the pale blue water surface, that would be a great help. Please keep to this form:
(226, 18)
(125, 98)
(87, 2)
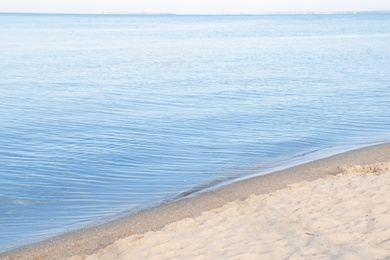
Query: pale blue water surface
(101, 114)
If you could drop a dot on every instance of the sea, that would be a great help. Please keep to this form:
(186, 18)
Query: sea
(105, 115)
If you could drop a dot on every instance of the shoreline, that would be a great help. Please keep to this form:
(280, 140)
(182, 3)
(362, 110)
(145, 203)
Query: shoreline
(90, 240)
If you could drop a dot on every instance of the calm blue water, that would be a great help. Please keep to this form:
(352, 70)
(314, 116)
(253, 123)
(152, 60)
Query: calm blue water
(102, 114)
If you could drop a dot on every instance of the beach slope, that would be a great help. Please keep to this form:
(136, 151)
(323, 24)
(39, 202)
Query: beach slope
(327, 207)
(346, 216)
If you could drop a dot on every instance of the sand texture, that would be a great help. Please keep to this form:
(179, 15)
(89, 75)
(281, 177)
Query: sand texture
(272, 219)
(346, 216)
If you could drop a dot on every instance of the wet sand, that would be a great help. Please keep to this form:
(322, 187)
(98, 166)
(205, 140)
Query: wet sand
(240, 202)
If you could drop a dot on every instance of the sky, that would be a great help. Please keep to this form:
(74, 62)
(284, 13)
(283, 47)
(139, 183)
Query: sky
(191, 6)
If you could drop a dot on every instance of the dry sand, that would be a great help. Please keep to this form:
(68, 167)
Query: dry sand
(346, 216)
(300, 212)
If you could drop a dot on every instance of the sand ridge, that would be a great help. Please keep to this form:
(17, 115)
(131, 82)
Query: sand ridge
(346, 216)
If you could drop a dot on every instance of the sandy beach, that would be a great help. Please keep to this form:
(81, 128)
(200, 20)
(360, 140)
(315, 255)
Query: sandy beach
(346, 216)
(334, 208)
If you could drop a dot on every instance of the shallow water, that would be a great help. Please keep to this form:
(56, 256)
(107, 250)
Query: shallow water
(104, 114)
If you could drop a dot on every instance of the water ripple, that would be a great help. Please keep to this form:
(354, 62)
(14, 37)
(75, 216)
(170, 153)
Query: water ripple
(105, 115)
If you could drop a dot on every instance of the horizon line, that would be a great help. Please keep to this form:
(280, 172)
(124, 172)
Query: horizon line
(199, 14)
